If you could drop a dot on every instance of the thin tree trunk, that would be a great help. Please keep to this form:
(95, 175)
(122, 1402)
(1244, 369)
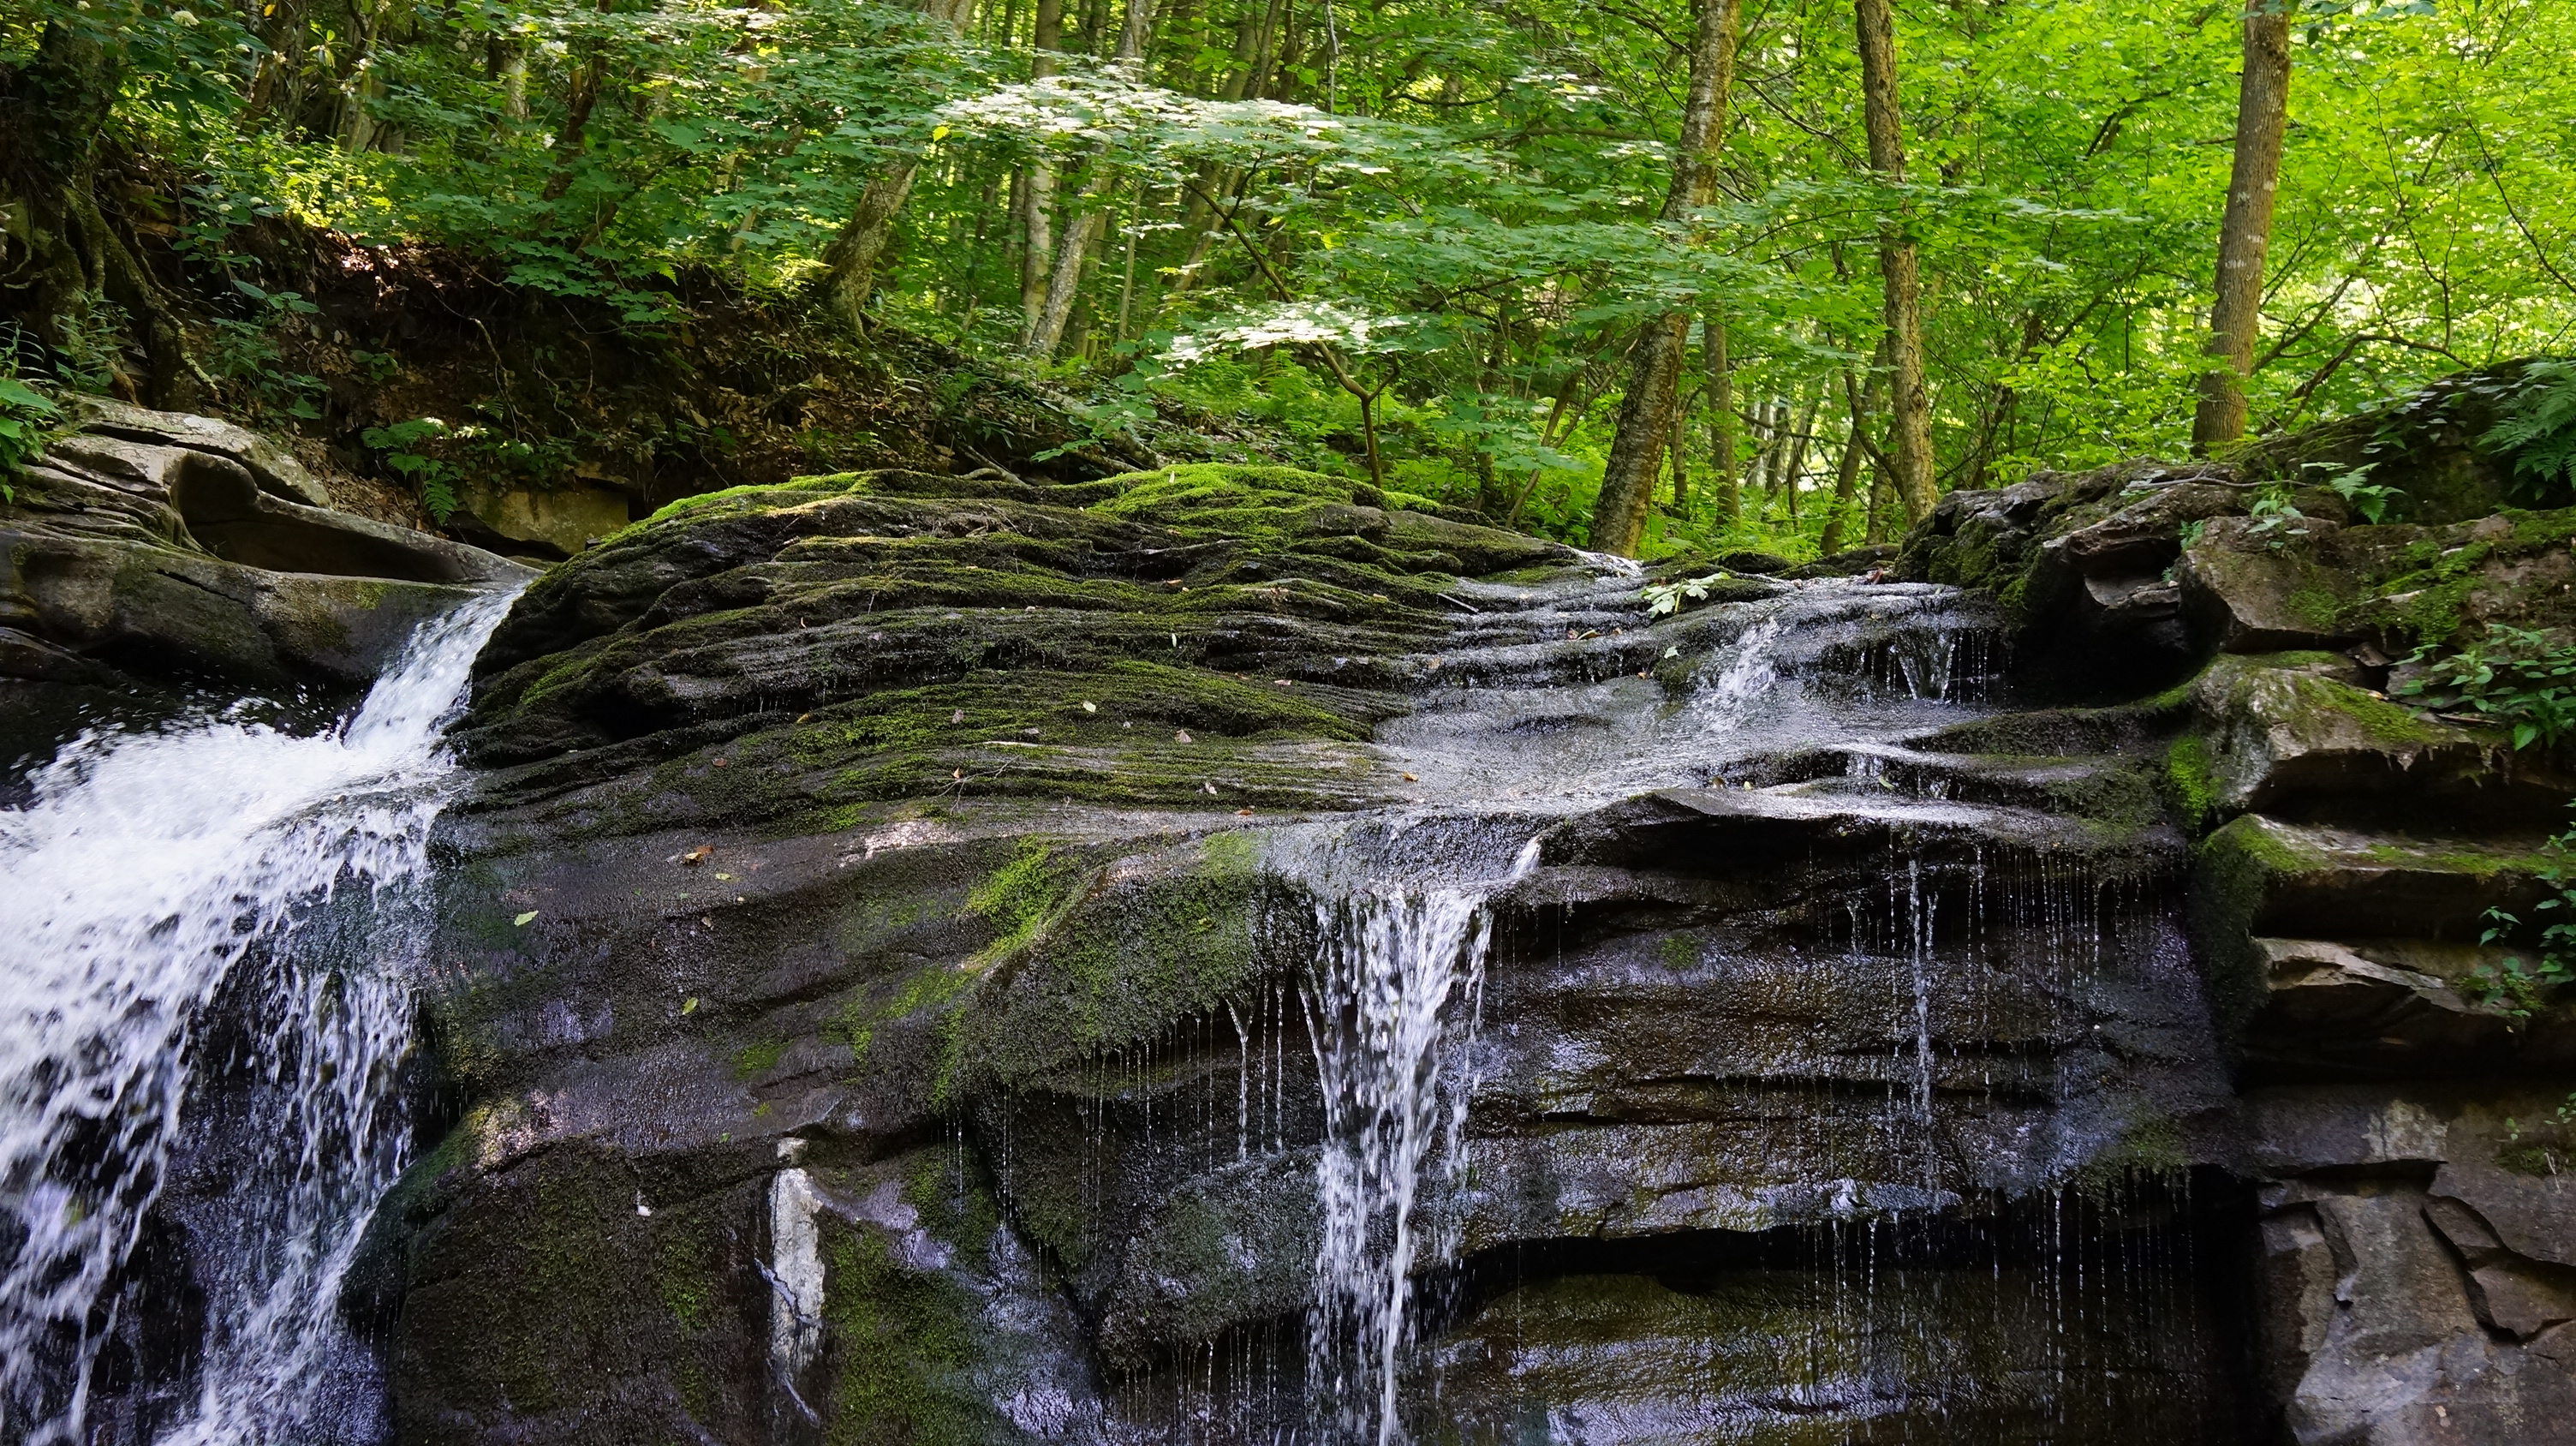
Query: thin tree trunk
(1802, 430)
(850, 262)
(1646, 410)
(1860, 396)
(587, 78)
(1064, 282)
(2262, 117)
(1910, 412)
(514, 80)
(1680, 449)
(1037, 185)
(1721, 417)
(1775, 449)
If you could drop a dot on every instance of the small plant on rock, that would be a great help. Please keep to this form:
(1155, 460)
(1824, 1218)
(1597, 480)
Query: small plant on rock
(1663, 599)
(2367, 498)
(2522, 987)
(2512, 678)
(2275, 519)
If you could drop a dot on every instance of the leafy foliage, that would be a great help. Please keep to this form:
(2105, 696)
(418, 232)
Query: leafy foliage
(2374, 502)
(2538, 429)
(1426, 226)
(2514, 678)
(405, 446)
(27, 418)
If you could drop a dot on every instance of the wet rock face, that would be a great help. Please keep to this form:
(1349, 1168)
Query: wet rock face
(919, 1018)
(152, 548)
(886, 988)
(2401, 1091)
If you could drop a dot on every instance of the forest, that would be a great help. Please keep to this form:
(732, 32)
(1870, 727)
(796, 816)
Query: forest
(1646, 277)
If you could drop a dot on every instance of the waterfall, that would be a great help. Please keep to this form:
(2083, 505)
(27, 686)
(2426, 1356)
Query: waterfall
(149, 873)
(1393, 968)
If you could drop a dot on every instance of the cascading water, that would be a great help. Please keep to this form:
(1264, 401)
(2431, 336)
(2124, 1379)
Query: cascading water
(1394, 968)
(150, 874)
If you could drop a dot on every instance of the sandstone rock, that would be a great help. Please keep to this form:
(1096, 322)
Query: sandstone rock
(274, 467)
(550, 520)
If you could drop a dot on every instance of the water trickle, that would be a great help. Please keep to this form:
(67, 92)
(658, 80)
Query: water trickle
(149, 873)
(1394, 968)
(1751, 676)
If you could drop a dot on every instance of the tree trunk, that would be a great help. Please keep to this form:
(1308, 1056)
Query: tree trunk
(1910, 410)
(1646, 410)
(1064, 281)
(2262, 116)
(1775, 450)
(77, 258)
(1860, 396)
(1680, 450)
(850, 262)
(586, 80)
(1721, 418)
(1802, 431)
(1037, 186)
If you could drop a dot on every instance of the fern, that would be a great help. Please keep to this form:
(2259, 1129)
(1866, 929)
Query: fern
(2538, 429)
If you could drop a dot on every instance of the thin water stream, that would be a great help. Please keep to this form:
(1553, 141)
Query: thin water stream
(1391, 1008)
(153, 881)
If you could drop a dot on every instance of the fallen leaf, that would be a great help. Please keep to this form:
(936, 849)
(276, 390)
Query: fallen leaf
(1409, 778)
(803, 717)
(1090, 707)
(524, 920)
(1243, 813)
(691, 1007)
(697, 855)
(727, 877)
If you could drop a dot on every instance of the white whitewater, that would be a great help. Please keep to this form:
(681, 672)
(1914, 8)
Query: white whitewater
(146, 872)
(1395, 969)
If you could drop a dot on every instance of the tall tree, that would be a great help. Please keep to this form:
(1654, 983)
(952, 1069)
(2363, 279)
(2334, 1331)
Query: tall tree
(2245, 232)
(850, 262)
(1036, 191)
(1721, 416)
(1861, 398)
(1646, 410)
(1046, 328)
(1910, 403)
